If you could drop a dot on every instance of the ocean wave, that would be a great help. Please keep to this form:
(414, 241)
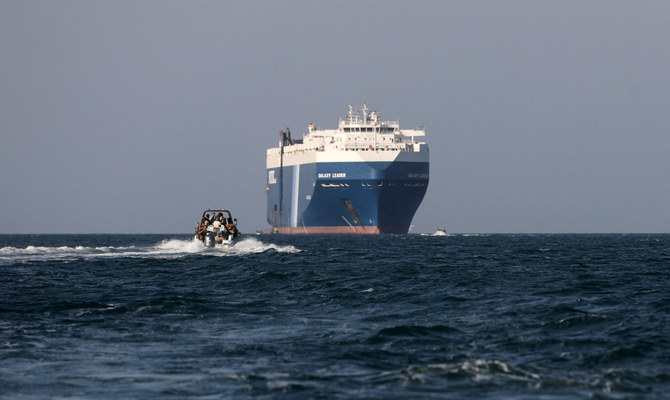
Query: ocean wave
(253, 245)
(42, 250)
(169, 248)
(410, 333)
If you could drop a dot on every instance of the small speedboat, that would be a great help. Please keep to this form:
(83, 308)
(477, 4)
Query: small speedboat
(440, 232)
(217, 227)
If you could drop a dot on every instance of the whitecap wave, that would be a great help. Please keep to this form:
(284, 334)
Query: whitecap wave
(169, 248)
(253, 245)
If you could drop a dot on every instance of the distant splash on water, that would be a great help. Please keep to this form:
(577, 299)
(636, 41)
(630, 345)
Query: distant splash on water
(170, 248)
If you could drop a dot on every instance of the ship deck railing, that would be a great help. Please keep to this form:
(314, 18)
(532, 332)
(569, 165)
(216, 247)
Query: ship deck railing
(340, 147)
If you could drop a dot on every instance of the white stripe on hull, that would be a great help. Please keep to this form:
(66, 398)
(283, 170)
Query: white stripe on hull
(295, 195)
(349, 157)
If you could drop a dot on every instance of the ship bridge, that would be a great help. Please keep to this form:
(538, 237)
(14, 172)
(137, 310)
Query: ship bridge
(362, 130)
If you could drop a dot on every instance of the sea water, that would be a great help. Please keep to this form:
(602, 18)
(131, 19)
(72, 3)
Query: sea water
(390, 316)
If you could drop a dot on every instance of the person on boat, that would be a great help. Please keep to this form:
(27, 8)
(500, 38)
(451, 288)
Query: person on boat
(217, 223)
(202, 228)
(232, 227)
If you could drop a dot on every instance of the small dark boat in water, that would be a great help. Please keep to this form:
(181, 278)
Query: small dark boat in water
(217, 227)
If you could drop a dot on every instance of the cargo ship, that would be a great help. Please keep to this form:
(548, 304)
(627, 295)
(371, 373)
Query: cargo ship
(365, 177)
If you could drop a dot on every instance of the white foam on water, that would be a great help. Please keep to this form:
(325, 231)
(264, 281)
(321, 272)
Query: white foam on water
(253, 245)
(170, 248)
(240, 247)
(176, 246)
(10, 254)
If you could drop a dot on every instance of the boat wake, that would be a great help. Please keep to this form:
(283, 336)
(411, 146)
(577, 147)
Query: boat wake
(241, 247)
(172, 248)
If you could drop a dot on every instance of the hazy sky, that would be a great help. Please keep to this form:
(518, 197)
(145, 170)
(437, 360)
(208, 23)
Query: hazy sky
(134, 116)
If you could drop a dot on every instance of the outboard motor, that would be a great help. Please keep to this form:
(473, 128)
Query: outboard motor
(209, 239)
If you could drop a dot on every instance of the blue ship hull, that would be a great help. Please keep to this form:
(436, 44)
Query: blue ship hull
(345, 197)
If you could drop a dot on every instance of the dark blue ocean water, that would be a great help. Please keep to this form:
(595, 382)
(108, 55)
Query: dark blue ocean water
(409, 316)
